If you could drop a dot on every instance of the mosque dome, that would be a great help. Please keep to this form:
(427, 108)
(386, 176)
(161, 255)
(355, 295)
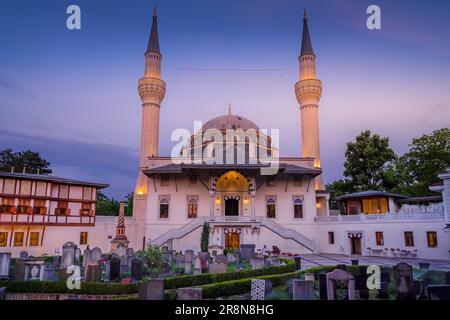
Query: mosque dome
(230, 121)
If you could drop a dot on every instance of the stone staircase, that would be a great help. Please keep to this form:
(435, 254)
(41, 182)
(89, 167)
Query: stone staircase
(287, 233)
(179, 232)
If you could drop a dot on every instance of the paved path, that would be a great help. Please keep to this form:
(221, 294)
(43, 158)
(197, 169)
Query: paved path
(314, 260)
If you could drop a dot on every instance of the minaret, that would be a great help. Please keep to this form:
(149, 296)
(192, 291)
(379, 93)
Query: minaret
(308, 91)
(151, 90)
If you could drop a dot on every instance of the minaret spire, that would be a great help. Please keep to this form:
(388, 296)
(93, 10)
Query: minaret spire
(306, 39)
(153, 41)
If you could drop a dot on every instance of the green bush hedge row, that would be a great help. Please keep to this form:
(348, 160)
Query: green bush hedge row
(198, 280)
(61, 287)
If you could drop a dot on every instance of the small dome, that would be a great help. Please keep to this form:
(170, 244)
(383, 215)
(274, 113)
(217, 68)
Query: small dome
(230, 121)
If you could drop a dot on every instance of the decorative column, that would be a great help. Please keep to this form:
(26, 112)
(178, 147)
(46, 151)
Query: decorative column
(120, 237)
(252, 195)
(211, 205)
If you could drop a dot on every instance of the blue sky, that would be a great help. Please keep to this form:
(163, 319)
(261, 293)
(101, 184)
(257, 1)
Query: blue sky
(72, 95)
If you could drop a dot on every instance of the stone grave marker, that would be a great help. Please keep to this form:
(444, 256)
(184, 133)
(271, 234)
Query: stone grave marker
(121, 250)
(197, 265)
(188, 255)
(189, 293)
(50, 273)
(124, 266)
(404, 289)
(179, 260)
(153, 289)
(221, 258)
(87, 255)
(247, 251)
(231, 257)
(130, 252)
(5, 263)
(260, 289)
(68, 254)
(340, 275)
(93, 273)
(298, 262)
(114, 269)
(136, 269)
(96, 253)
(257, 263)
(217, 268)
(303, 289)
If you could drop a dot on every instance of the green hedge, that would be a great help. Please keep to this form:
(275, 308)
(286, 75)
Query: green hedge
(61, 287)
(198, 280)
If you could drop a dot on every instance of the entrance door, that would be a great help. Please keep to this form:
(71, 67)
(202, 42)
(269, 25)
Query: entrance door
(232, 240)
(231, 207)
(355, 244)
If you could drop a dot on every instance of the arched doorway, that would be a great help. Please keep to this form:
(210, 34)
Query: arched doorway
(231, 187)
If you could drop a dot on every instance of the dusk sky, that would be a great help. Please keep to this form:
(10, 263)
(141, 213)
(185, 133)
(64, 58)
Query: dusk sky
(72, 94)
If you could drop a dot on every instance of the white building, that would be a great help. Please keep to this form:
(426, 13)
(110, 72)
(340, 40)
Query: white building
(243, 204)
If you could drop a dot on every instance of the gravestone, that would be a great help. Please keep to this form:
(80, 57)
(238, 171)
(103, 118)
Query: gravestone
(221, 258)
(63, 275)
(260, 289)
(68, 254)
(96, 253)
(204, 258)
(153, 289)
(87, 255)
(187, 267)
(23, 255)
(439, 292)
(217, 268)
(114, 269)
(197, 265)
(361, 282)
(121, 250)
(309, 277)
(188, 255)
(303, 289)
(77, 256)
(298, 262)
(179, 260)
(93, 273)
(189, 293)
(247, 251)
(130, 252)
(168, 256)
(404, 289)
(50, 273)
(166, 268)
(35, 272)
(136, 269)
(323, 286)
(5, 263)
(257, 263)
(340, 275)
(124, 266)
(2, 293)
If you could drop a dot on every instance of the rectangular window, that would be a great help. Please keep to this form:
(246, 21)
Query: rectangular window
(41, 188)
(379, 238)
(375, 205)
(39, 207)
(270, 210)
(64, 191)
(164, 210)
(24, 206)
(34, 239)
(18, 239)
(432, 239)
(86, 209)
(298, 210)
(409, 239)
(83, 238)
(192, 210)
(7, 205)
(330, 237)
(9, 187)
(62, 208)
(25, 188)
(3, 239)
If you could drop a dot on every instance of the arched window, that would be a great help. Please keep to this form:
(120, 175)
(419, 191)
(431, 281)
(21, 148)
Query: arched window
(270, 208)
(164, 208)
(192, 208)
(298, 208)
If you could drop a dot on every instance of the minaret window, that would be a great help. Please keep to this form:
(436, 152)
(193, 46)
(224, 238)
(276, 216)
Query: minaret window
(192, 206)
(271, 207)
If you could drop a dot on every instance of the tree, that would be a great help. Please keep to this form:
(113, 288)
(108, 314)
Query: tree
(129, 204)
(106, 206)
(366, 162)
(338, 188)
(31, 161)
(154, 259)
(417, 169)
(204, 240)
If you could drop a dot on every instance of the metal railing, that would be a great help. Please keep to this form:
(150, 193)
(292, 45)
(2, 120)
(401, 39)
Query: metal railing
(384, 217)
